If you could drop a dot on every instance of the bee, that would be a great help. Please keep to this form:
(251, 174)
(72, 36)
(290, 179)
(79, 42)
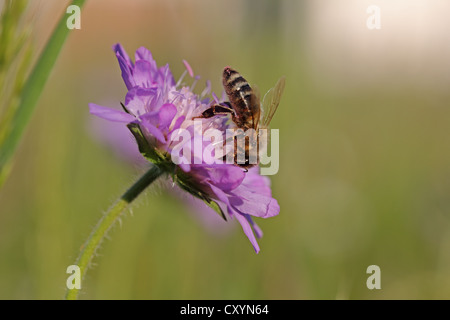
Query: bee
(245, 107)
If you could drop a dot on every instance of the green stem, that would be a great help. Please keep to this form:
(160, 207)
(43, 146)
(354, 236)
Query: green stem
(107, 221)
(32, 91)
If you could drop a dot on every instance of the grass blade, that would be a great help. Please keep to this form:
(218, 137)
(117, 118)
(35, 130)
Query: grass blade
(32, 91)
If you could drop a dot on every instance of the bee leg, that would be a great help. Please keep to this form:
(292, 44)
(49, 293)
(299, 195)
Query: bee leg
(227, 104)
(216, 109)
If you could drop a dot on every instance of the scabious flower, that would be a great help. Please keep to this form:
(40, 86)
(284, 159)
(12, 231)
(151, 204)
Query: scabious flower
(155, 110)
(121, 143)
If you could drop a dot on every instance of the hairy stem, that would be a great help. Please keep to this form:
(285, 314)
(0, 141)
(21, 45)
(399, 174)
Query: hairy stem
(107, 221)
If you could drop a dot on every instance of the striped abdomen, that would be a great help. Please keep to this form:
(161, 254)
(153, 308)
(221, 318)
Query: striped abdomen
(244, 102)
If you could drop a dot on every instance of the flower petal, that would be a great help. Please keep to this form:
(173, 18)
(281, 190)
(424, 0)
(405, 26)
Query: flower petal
(220, 195)
(127, 74)
(256, 182)
(138, 100)
(245, 220)
(248, 202)
(110, 114)
(226, 177)
(154, 131)
(126, 65)
(256, 229)
(248, 231)
(144, 54)
(184, 166)
(165, 77)
(166, 115)
(120, 51)
(178, 123)
(142, 74)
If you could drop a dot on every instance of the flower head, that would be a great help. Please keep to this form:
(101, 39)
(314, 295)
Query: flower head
(159, 111)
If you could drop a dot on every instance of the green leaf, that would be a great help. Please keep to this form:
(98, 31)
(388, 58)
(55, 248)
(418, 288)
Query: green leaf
(145, 149)
(215, 206)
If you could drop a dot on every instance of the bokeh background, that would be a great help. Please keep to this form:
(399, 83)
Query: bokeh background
(364, 155)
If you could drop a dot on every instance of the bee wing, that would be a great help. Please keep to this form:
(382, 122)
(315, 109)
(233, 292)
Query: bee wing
(271, 101)
(256, 91)
(256, 116)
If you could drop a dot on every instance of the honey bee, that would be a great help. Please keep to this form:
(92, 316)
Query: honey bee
(245, 108)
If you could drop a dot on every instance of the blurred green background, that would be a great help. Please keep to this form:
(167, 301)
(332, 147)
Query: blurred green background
(364, 155)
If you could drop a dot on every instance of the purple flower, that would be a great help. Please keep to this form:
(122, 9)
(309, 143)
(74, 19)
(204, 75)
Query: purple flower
(156, 109)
